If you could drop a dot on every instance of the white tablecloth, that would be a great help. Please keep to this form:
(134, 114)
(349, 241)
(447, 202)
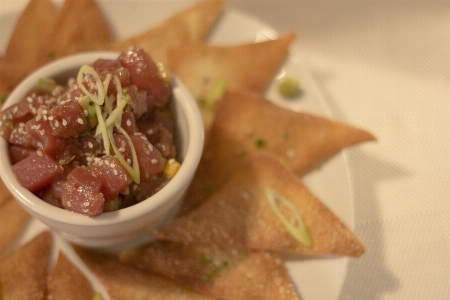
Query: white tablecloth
(385, 66)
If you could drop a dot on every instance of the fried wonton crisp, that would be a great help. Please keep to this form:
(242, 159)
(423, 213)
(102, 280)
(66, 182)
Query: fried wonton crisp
(242, 214)
(188, 27)
(12, 220)
(216, 271)
(33, 26)
(246, 123)
(124, 282)
(23, 273)
(206, 70)
(67, 282)
(80, 26)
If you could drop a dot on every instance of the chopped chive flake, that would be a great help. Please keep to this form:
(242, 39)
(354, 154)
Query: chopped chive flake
(209, 186)
(260, 143)
(3, 99)
(205, 277)
(9, 114)
(206, 259)
(216, 271)
(51, 54)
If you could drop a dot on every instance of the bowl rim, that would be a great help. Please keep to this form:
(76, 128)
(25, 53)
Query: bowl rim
(40, 208)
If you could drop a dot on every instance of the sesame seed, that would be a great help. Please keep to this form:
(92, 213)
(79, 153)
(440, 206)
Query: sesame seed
(80, 120)
(154, 161)
(64, 121)
(90, 145)
(128, 122)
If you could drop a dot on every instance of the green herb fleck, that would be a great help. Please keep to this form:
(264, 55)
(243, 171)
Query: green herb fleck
(285, 135)
(260, 143)
(216, 271)
(206, 259)
(209, 186)
(9, 114)
(205, 277)
(225, 263)
(3, 99)
(8, 123)
(51, 54)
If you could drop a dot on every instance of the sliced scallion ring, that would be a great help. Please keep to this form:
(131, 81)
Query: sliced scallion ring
(103, 129)
(132, 170)
(298, 230)
(88, 70)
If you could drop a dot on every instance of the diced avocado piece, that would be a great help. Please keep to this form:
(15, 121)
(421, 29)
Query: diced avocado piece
(46, 84)
(113, 204)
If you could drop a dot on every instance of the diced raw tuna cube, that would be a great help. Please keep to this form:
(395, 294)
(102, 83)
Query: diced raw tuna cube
(150, 159)
(42, 137)
(20, 136)
(112, 174)
(18, 153)
(82, 193)
(37, 171)
(138, 100)
(68, 119)
(48, 197)
(129, 123)
(145, 75)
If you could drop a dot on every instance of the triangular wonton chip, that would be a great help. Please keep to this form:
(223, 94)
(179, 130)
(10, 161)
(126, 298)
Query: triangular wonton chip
(23, 273)
(188, 27)
(205, 70)
(30, 32)
(246, 122)
(220, 272)
(5, 195)
(124, 282)
(241, 215)
(21, 55)
(80, 26)
(12, 220)
(67, 282)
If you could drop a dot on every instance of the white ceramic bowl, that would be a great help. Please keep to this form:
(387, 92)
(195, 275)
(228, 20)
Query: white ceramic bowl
(125, 225)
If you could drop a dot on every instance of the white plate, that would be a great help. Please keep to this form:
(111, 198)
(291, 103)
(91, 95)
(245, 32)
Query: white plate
(314, 278)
